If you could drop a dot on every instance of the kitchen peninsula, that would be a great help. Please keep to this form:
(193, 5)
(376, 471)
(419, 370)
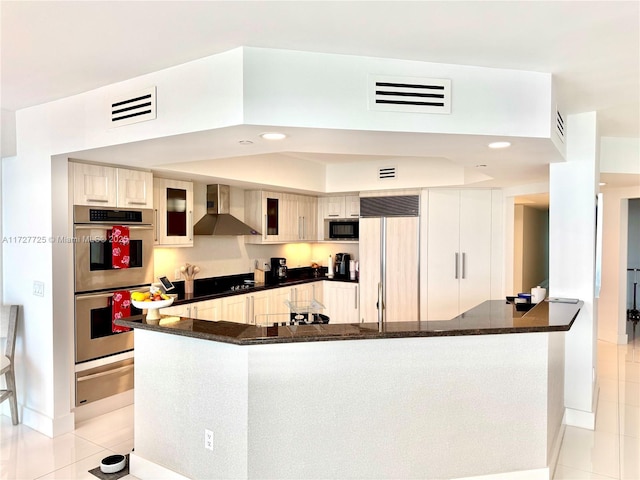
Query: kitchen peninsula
(476, 395)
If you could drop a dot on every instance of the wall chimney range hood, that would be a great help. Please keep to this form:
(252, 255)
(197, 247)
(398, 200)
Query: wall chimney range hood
(218, 221)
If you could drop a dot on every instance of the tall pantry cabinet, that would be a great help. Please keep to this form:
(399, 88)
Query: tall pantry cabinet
(460, 242)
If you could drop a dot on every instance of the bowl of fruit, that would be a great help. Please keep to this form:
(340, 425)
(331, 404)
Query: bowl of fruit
(152, 301)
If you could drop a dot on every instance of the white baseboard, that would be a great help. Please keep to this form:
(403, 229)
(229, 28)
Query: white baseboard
(146, 470)
(578, 418)
(51, 427)
(535, 474)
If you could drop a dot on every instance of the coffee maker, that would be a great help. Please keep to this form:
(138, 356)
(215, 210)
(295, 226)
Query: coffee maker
(342, 265)
(278, 269)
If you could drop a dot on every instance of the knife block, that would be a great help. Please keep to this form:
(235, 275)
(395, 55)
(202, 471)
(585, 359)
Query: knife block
(258, 276)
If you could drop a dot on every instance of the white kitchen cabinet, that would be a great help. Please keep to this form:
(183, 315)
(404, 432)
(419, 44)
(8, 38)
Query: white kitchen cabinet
(305, 293)
(236, 309)
(342, 302)
(458, 251)
(105, 186)
(280, 217)
(334, 206)
(278, 300)
(173, 200)
(178, 310)
(207, 310)
(135, 188)
(351, 206)
(307, 208)
(340, 206)
(94, 185)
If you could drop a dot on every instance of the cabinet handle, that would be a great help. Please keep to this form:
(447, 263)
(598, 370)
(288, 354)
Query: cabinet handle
(190, 226)
(299, 228)
(464, 265)
(195, 312)
(103, 374)
(136, 203)
(456, 266)
(155, 221)
(266, 218)
(355, 305)
(98, 200)
(332, 215)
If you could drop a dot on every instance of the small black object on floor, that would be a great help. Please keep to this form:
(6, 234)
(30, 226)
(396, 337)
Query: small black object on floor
(111, 476)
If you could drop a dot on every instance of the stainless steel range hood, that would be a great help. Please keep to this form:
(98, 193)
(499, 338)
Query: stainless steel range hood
(218, 221)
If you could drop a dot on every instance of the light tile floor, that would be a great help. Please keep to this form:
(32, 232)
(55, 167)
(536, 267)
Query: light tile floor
(612, 450)
(28, 455)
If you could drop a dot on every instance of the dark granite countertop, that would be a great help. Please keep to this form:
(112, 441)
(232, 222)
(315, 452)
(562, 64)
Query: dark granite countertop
(489, 318)
(218, 287)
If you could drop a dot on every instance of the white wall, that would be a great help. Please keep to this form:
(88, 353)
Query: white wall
(572, 226)
(620, 155)
(284, 87)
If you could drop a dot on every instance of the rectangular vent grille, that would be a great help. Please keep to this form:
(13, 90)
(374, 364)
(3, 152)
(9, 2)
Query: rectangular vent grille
(392, 206)
(560, 130)
(386, 173)
(409, 94)
(134, 108)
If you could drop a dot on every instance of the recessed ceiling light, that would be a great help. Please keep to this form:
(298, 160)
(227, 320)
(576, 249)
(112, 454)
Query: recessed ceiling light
(245, 142)
(602, 184)
(273, 136)
(499, 144)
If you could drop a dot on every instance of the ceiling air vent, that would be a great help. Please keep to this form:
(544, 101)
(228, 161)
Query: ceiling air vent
(133, 108)
(385, 173)
(409, 94)
(560, 125)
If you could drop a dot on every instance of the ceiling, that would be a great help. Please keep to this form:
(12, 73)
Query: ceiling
(55, 49)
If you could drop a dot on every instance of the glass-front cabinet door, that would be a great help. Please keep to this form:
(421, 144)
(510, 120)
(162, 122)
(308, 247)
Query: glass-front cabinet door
(173, 212)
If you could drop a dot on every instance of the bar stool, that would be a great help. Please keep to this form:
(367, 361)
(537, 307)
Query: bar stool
(8, 328)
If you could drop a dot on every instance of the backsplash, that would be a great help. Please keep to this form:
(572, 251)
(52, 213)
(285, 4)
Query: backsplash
(220, 256)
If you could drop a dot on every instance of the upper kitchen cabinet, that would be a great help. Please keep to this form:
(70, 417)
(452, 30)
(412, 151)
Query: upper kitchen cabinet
(94, 185)
(111, 187)
(135, 188)
(340, 206)
(173, 200)
(281, 217)
(459, 234)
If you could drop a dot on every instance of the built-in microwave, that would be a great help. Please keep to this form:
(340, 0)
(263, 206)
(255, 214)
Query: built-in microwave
(341, 229)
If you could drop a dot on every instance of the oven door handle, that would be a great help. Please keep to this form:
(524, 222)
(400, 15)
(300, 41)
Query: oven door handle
(102, 374)
(131, 227)
(105, 295)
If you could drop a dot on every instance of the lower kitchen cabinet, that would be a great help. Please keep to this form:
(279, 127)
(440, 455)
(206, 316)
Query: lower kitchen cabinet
(207, 310)
(341, 301)
(236, 309)
(178, 310)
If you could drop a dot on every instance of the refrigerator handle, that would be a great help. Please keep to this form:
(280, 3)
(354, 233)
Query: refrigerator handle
(456, 266)
(464, 265)
(380, 305)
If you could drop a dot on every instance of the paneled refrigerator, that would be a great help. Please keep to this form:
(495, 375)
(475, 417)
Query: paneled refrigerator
(389, 258)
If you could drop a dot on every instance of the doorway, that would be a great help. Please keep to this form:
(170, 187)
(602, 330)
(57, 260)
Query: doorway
(531, 242)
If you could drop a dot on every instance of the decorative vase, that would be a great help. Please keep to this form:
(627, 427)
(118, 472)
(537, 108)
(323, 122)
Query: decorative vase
(188, 287)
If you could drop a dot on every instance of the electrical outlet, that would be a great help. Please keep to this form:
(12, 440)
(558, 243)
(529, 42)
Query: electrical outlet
(38, 288)
(208, 439)
(176, 274)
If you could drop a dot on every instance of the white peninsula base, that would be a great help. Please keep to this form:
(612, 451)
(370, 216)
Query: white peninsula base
(406, 408)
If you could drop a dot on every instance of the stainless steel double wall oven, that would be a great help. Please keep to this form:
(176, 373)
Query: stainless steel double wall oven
(103, 367)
